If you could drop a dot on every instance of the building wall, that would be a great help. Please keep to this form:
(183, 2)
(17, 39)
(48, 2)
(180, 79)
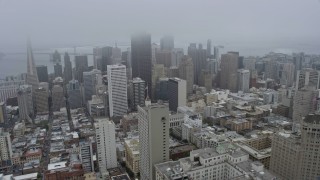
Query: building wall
(153, 138)
(106, 144)
(117, 89)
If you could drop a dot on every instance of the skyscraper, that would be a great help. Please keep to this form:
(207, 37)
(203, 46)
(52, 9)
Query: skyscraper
(41, 96)
(67, 68)
(138, 89)
(216, 54)
(57, 98)
(117, 89)
(141, 58)
(209, 48)
(32, 76)
(167, 43)
(81, 65)
(229, 67)
(74, 94)
(308, 77)
(199, 57)
(42, 72)
(90, 80)
(295, 156)
(186, 72)
(25, 102)
(153, 125)
(243, 80)
(304, 102)
(106, 144)
(164, 57)
(58, 70)
(177, 93)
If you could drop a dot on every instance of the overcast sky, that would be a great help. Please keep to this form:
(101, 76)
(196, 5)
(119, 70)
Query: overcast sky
(62, 23)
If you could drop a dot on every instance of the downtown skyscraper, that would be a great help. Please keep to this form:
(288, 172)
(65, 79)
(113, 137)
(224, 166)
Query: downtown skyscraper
(153, 123)
(141, 58)
(67, 68)
(32, 76)
(117, 89)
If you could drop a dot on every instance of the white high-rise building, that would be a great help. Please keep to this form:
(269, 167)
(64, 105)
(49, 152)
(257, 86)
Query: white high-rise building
(117, 89)
(90, 80)
(106, 144)
(5, 146)
(154, 126)
(243, 80)
(25, 102)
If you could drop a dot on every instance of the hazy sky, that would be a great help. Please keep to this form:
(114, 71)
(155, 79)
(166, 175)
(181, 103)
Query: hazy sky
(61, 23)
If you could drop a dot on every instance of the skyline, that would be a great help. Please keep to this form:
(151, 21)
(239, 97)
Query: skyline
(269, 25)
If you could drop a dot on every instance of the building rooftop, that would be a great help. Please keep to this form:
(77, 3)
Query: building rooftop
(57, 165)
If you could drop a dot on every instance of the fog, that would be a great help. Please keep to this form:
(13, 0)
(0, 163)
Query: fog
(251, 23)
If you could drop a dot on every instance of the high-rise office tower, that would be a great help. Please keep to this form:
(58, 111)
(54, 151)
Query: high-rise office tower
(209, 48)
(154, 48)
(172, 72)
(56, 57)
(177, 93)
(199, 57)
(86, 156)
(41, 96)
(42, 72)
(58, 70)
(216, 54)
(285, 73)
(153, 125)
(307, 77)
(164, 57)
(138, 89)
(186, 72)
(5, 146)
(229, 68)
(117, 89)
(158, 71)
(298, 59)
(25, 102)
(271, 69)
(106, 144)
(310, 133)
(90, 80)
(249, 63)
(81, 65)
(3, 114)
(126, 60)
(116, 55)
(161, 89)
(74, 94)
(304, 102)
(67, 68)
(167, 43)
(57, 98)
(141, 58)
(32, 76)
(176, 56)
(295, 156)
(206, 80)
(243, 80)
